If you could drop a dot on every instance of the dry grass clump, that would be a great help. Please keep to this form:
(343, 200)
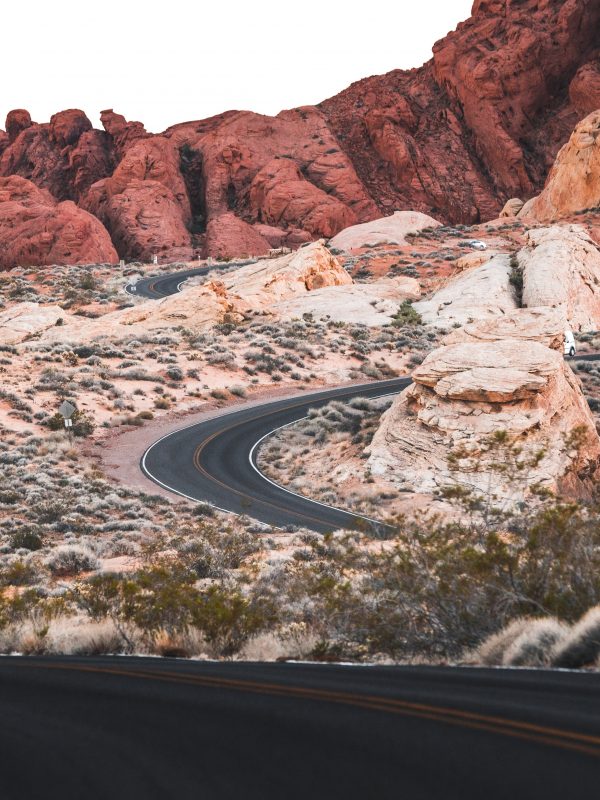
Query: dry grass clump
(545, 641)
(581, 646)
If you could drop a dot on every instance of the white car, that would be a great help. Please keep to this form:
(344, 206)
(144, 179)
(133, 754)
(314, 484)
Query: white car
(569, 344)
(477, 244)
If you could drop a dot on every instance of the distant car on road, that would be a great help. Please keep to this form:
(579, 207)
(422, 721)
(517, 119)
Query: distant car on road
(477, 244)
(569, 344)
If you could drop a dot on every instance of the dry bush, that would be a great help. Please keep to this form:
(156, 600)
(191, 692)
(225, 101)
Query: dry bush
(533, 647)
(581, 646)
(71, 559)
(491, 651)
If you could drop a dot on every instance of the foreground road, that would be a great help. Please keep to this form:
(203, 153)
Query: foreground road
(149, 728)
(215, 461)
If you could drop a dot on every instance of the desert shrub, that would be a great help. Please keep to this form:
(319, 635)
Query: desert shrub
(533, 647)
(27, 537)
(406, 315)
(491, 651)
(581, 647)
(71, 559)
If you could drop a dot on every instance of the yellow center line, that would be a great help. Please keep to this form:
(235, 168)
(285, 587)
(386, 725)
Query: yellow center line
(209, 439)
(587, 744)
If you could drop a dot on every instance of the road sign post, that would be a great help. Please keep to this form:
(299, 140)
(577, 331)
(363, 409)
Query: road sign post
(67, 410)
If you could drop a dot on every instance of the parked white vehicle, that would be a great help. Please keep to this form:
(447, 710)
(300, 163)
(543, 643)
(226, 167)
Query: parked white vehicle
(569, 344)
(477, 244)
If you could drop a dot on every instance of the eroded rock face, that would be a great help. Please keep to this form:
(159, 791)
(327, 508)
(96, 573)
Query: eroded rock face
(252, 290)
(574, 181)
(386, 230)
(36, 230)
(22, 320)
(466, 391)
(478, 293)
(561, 269)
(480, 122)
(144, 220)
(228, 236)
(65, 156)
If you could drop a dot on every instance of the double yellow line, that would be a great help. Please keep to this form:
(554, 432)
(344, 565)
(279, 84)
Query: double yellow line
(249, 498)
(587, 744)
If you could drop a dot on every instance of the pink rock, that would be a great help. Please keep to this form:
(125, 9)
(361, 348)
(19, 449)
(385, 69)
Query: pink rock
(36, 230)
(17, 121)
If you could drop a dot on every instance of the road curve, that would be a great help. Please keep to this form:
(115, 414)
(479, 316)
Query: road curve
(159, 286)
(160, 728)
(215, 461)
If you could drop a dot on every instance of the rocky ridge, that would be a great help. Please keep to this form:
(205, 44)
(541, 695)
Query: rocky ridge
(478, 124)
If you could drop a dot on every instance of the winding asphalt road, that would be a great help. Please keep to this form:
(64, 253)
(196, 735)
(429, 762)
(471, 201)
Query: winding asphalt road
(159, 286)
(215, 461)
(150, 728)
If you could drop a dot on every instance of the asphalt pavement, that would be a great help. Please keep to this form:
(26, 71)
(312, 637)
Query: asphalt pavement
(215, 461)
(112, 728)
(159, 286)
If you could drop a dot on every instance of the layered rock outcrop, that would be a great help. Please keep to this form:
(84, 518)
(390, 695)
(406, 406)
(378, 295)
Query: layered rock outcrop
(502, 375)
(574, 181)
(561, 269)
(252, 290)
(481, 122)
(37, 230)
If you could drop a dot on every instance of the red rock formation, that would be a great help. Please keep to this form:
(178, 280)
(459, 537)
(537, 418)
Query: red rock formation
(36, 230)
(584, 91)
(478, 124)
(17, 121)
(121, 132)
(64, 156)
(228, 236)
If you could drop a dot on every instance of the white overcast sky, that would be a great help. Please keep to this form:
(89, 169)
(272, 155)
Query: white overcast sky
(167, 62)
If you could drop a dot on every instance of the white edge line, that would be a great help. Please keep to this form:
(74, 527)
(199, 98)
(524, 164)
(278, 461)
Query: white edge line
(234, 410)
(297, 494)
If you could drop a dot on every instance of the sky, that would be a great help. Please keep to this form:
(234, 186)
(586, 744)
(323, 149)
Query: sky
(167, 62)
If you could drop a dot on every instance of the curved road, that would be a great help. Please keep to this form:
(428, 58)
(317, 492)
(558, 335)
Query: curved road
(215, 461)
(149, 728)
(159, 286)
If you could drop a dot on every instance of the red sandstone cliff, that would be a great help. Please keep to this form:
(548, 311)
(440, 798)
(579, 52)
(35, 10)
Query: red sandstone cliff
(479, 123)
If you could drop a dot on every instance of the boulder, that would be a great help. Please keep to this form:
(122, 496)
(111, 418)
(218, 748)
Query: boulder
(584, 89)
(511, 208)
(67, 126)
(386, 230)
(37, 230)
(466, 392)
(17, 121)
